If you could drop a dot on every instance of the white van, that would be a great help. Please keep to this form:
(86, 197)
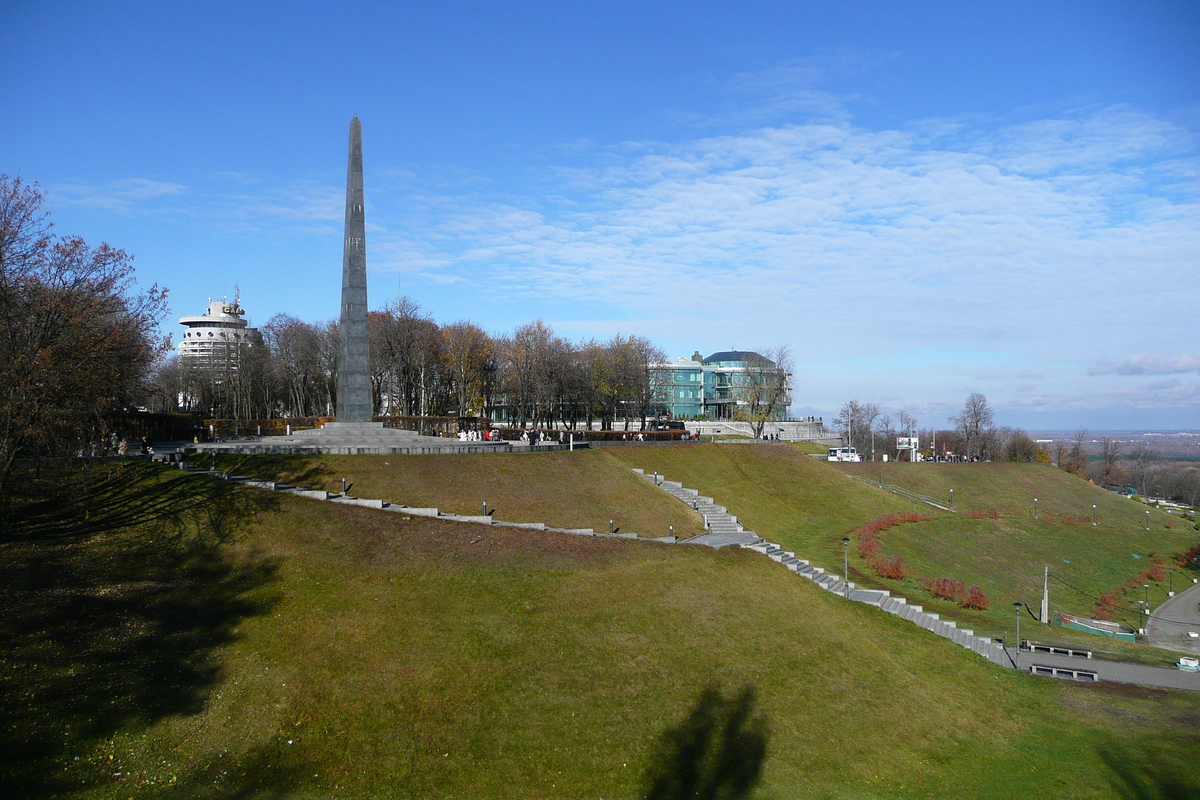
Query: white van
(844, 454)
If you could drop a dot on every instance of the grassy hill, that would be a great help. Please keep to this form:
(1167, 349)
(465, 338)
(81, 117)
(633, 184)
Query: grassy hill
(774, 489)
(809, 505)
(1006, 555)
(228, 642)
(583, 489)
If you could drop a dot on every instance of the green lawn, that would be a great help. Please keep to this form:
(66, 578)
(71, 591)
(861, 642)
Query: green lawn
(1006, 556)
(583, 489)
(808, 506)
(776, 490)
(314, 650)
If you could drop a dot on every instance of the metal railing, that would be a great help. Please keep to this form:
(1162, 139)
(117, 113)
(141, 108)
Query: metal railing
(911, 495)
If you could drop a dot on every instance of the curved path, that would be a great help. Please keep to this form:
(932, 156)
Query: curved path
(1171, 622)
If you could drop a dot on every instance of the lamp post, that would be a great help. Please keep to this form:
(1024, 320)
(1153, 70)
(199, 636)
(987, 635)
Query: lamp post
(1146, 586)
(1170, 582)
(1017, 609)
(1095, 515)
(951, 498)
(846, 558)
(1035, 516)
(1147, 519)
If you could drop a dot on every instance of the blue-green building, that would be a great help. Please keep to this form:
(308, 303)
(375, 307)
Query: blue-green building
(695, 387)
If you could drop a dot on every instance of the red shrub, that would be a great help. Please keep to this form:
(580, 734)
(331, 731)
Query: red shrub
(1107, 604)
(868, 543)
(867, 547)
(976, 599)
(890, 568)
(1155, 574)
(946, 588)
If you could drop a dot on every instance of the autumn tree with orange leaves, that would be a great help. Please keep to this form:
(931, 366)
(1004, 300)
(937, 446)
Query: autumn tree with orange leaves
(77, 340)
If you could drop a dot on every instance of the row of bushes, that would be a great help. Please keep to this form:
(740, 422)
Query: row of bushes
(1108, 603)
(893, 568)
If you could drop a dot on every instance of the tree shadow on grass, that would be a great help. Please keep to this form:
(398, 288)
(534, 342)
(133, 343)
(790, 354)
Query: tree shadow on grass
(114, 596)
(300, 470)
(1165, 771)
(716, 753)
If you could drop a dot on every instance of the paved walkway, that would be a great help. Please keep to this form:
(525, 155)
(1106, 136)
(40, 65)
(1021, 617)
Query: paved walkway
(1171, 622)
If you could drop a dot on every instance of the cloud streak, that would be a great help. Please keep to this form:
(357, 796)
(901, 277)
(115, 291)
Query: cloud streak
(1148, 365)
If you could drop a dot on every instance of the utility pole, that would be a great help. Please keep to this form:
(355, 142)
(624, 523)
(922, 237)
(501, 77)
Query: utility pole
(1046, 596)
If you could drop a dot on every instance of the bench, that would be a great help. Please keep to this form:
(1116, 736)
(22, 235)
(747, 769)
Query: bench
(1067, 673)
(1054, 650)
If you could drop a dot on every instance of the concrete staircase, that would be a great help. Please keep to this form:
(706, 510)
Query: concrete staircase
(722, 528)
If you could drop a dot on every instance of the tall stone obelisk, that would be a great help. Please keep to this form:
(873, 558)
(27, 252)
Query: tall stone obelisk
(354, 368)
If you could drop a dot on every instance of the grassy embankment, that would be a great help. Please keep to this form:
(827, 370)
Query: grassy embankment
(1006, 555)
(808, 506)
(584, 489)
(225, 641)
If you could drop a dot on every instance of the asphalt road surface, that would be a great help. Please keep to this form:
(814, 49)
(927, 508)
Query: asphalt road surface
(1171, 622)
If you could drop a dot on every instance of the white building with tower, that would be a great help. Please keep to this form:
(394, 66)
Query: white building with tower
(215, 338)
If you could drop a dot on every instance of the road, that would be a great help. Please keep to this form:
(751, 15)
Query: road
(1170, 623)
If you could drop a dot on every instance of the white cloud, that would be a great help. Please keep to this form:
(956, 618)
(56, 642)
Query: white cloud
(1147, 365)
(122, 195)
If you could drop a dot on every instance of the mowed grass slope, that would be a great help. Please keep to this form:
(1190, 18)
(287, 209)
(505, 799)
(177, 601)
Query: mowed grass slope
(776, 490)
(808, 506)
(1010, 488)
(382, 657)
(1006, 556)
(582, 489)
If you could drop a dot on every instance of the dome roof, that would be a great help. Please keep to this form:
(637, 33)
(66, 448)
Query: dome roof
(744, 356)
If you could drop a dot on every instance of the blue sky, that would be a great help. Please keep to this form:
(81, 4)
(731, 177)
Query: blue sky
(921, 200)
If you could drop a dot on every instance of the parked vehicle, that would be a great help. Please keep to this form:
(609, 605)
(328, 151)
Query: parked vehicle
(844, 454)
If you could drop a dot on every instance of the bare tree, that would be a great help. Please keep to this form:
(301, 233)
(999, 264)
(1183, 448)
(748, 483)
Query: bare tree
(1075, 460)
(467, 353)
(764, 388)
(1110, 452)
(1143, 456)
(646, 382)
(296, 350)
(974, 423)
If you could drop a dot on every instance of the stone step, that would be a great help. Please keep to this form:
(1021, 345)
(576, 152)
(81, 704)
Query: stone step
(415, 511)
(357, 501)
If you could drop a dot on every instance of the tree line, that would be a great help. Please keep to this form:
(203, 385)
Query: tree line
(532, 376)
(973, 434)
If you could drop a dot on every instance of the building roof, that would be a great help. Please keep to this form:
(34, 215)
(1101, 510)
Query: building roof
(745, 356)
